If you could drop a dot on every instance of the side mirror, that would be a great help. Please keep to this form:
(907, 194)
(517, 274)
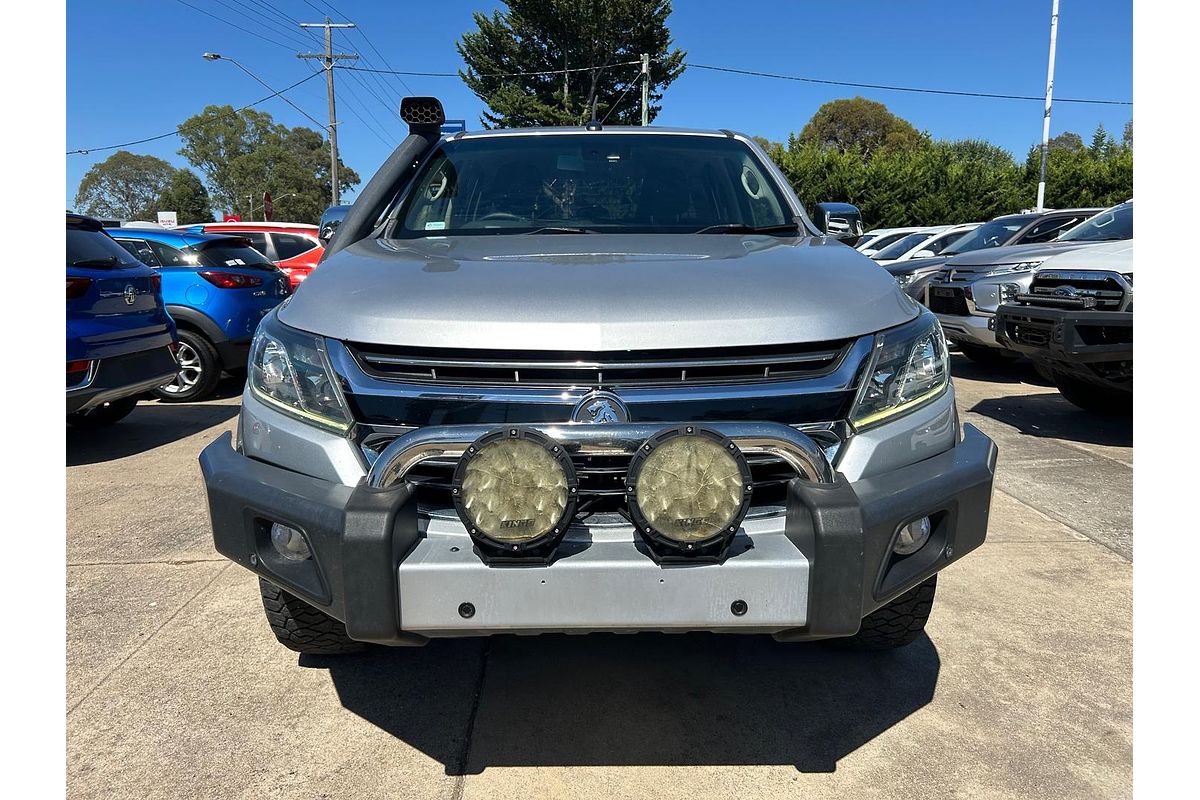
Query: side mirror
(924, 254)
(330, 220)
(840, 221)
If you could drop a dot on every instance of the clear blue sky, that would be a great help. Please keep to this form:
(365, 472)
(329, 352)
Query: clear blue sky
(134, 67)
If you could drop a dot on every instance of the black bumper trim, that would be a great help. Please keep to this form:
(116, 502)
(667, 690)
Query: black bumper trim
(124, 376)
(1068, 333)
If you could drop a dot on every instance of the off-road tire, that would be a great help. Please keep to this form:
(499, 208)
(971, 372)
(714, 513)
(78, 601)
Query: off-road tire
(209, 363)
(1093, 397)
(898, 623)
(103, 415)
(991, 356)
(300, 627)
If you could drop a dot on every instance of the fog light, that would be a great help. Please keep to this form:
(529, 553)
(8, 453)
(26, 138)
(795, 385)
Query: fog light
(515, 491)
(689, 489)
(912, 537)
(289, 543)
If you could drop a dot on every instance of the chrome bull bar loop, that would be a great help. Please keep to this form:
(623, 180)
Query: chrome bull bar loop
(450, 441)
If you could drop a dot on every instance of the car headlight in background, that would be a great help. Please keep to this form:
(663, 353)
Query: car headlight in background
(290, 371)
(1009, 292)
(1023, 266)
(904, 281)
(515, 491)
(688, 489)
(909, 368)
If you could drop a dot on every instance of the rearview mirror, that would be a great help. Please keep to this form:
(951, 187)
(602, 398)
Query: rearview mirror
(924, 254)
(840, 221)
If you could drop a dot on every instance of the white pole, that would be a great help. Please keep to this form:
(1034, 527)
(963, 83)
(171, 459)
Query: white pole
(1041, 194)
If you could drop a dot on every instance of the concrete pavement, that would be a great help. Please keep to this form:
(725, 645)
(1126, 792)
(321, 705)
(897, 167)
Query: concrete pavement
(1022, 687)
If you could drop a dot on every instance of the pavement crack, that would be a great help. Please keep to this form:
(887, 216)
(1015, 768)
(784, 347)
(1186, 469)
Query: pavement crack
(173, 562)
(1064, 522)
(460, 766)
(145, 640)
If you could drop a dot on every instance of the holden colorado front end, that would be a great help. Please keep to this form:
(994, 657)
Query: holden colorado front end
(595, 380)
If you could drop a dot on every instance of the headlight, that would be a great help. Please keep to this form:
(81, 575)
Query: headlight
(290, 371)
(904, 281)
(1024, 266)
(688, 489)
(515, 491)
(908, 369)
(1009, 292)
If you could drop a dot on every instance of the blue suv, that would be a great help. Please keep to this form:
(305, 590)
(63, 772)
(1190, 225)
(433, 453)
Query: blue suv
(216, 288)
(120, 340)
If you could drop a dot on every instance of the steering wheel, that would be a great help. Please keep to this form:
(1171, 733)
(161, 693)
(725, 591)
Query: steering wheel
(501, 215)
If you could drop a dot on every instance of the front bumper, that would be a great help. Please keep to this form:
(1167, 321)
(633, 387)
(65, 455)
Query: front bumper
(395, 576)
(1093, 345)
(975, 329)
(123, 376)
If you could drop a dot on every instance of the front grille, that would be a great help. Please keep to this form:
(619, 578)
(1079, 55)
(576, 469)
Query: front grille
(944, 300)
(601, 481)
(1107, 290)
(565, 369)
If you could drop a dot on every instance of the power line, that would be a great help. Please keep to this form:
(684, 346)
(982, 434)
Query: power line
(235, 25)
(903, 88)
(760, 74)
(183, 128)
(490, 74)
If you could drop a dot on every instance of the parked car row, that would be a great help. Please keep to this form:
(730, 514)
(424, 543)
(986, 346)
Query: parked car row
(159, 311)
(1035, 268)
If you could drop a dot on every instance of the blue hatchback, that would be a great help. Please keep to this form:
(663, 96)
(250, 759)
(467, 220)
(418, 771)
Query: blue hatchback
(119, 337)
(216, 288)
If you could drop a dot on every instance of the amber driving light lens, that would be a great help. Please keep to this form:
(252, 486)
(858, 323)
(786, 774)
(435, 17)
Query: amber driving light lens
(689, 489)
(514, 490)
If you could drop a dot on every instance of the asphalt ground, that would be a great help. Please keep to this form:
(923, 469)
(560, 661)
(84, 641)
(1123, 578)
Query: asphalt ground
(1021, 688)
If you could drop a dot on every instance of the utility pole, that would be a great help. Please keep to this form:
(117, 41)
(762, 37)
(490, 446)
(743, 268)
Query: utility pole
(646, 89)
(1041, 195)
(328, 58)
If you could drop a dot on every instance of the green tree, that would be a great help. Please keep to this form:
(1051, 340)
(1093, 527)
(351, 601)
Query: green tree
(187, 197)
(123, 186)
(861, 125)
(1067, 140)
(246, 153)
(595, 37)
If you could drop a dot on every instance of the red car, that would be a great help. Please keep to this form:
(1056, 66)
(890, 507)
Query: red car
(291, 246)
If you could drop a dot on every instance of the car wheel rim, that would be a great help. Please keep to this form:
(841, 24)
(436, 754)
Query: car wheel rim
(190, 370)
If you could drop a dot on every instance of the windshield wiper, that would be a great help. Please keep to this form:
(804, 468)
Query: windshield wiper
(741, 227)
(558, 229)
(107, 261)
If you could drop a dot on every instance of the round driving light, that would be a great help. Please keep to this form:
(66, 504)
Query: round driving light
(912, 537)
(515, 491)
(289, 543)
(688, 489)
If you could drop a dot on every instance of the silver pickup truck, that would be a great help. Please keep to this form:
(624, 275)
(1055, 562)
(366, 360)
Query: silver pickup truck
(595, 379)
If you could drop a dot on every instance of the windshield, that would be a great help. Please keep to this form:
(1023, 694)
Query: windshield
(232, 254)
(623, 183)
(991, 234)
(95, 249)
(1107, 226)
(902, 246)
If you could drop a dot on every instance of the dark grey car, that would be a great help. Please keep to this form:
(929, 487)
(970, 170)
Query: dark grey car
(594, 380)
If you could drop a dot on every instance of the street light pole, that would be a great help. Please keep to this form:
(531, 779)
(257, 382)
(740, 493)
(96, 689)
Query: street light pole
(1041, 193)
(328, 58)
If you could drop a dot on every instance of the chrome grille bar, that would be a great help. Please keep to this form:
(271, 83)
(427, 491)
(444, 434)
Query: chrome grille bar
(799, 451)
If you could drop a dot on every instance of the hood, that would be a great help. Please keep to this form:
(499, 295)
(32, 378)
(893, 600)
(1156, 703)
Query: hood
(1012, 254)
(592, 292)
(915, 265)
(1115, 256)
